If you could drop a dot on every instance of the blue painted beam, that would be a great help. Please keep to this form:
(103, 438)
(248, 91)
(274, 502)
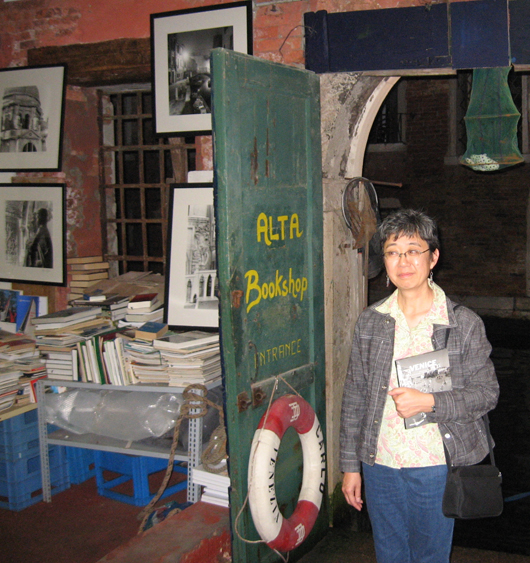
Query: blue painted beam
(452, 36)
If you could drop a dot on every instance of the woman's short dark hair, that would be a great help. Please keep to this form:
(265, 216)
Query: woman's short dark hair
(409, 222)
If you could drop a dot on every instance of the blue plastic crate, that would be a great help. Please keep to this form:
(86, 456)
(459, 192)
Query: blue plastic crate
(21, 481)
(133, 469)
(19, 436)
(81, 464)
(19, 469)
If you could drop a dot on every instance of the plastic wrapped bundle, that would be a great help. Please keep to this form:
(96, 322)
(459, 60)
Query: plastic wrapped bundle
(124, 415)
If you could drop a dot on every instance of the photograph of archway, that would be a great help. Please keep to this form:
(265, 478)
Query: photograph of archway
(192, 282)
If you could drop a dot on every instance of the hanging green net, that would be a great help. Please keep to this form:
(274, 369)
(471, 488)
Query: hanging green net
(491, 122)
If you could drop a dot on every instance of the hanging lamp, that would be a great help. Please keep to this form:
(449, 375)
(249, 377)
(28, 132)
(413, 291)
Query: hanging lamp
(491, 122)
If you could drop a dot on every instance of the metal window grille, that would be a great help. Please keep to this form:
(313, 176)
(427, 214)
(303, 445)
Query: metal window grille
(388, 126)
(137, 168)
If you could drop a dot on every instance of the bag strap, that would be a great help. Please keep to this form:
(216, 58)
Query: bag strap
(485, 419)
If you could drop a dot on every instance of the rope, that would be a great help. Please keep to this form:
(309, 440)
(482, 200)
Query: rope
(192, 402)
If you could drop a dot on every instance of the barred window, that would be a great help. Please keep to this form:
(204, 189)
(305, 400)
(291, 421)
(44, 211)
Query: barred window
(389, 123)
(136, 171)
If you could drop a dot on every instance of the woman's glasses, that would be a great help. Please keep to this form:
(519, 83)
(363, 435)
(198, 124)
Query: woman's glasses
(395, 255)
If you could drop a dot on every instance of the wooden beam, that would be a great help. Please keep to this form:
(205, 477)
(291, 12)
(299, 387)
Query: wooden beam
(119, 61)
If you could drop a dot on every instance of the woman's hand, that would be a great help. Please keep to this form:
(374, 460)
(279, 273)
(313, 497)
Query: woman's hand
(411, 401)
(351, 487)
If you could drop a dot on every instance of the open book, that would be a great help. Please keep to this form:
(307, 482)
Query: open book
(428, 373)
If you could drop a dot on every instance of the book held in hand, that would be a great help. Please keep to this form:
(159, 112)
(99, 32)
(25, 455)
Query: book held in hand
(428, 373)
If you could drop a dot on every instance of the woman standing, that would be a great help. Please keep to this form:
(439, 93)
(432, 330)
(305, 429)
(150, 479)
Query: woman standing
(404, 470)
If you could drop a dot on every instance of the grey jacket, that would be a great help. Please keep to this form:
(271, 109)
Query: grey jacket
(458, 412)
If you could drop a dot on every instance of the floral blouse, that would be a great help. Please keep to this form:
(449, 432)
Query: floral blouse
(421, 446)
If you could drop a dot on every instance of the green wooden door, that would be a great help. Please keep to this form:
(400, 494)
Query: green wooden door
(268, 190)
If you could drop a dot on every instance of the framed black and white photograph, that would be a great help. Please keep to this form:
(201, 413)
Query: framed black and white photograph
(32, 233)
(32, 118)
(181, 43)
(191, 280)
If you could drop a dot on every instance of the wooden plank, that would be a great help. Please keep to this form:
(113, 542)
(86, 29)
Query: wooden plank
(119, 61)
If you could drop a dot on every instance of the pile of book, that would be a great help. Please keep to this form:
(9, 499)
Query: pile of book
(113, 305)
(60, 362)
(10, 375)
(215, 485)
(143, 308)
(58, 334)
(84, 272)
(146, 362)
(20, 367)
(70, 323)
(190, 357)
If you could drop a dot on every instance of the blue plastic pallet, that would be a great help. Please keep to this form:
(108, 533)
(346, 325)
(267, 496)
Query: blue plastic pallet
(81, 464)
(135, 469)
(21, 481)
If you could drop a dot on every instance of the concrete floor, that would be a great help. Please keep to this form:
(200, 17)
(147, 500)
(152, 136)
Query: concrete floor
(344, 546)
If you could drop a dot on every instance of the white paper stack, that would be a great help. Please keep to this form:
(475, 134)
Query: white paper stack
(215, 485)
(191, 357)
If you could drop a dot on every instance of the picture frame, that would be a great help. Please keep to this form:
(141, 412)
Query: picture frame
(181, 43)
(191, 295)
(33, 233)
(32, 118)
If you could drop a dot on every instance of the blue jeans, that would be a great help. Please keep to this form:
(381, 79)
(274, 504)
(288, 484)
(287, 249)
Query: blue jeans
(405, 508)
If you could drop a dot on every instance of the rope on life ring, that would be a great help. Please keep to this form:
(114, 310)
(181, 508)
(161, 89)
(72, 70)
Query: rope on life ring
(277, 532)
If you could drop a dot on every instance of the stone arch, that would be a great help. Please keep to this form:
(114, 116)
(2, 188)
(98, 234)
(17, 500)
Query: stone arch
(349, 102)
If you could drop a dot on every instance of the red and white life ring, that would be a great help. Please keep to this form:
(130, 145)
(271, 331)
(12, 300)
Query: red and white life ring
(277, 532)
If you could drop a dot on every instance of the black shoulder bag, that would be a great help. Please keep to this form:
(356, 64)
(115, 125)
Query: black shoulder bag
(473, 491)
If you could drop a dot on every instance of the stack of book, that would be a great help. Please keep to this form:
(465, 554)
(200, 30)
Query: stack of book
(61, 363)
(146, 362)
(58, 336)
(84, 272)
(216, 485)
(16, 346)
(74, 321)
(143, 308)
(191, 357)
(113, 306)
(10, 375)
(19, 363)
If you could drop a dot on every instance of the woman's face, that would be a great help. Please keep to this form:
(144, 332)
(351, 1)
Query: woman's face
(408, 271)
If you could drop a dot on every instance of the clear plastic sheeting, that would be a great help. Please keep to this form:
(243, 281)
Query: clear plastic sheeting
(123, 415)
